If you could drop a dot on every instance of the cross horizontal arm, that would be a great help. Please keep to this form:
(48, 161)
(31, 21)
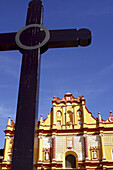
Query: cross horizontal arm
(7, 42)
(63, 38)
(69, 38)
(58, 39)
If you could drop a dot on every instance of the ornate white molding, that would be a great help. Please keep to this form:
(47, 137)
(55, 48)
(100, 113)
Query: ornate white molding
(53, 136)
(7, 137)
(85, 135)
(101, 134)
(40, 137)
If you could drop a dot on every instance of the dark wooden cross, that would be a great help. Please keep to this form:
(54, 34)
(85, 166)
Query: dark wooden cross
(32, 40)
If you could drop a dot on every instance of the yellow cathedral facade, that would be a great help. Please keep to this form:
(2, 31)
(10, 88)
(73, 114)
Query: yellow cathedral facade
(69, 138)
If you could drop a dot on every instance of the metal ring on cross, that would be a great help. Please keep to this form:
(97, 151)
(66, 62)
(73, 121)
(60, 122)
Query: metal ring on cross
(47, 36)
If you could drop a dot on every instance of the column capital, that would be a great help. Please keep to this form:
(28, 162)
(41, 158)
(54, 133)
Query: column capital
(40, 137)
(85, 135)
(101, 134)
(53, 136)
(7, 137)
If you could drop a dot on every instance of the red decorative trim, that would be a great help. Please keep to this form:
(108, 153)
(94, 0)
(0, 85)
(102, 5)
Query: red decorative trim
(43, 155)
(46, 149)
(92, 163)
(57, 100)
(9, 131)
(49, 165)
(53, 148)
(59, 165)
(107, 122)
(4, 160)
(6, 165)
(76, 130)
(90, 124)
(86, 148)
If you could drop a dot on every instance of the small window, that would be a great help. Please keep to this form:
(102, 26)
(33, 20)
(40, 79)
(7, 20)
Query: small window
(79, 112)
(79, 122)
(58, 123)
(58, 113)
(46, 155)
(68, 98)
(112, 153)
(94, 154)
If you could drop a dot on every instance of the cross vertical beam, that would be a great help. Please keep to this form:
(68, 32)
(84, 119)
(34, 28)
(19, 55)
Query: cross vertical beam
(26, 118)
(32, 42)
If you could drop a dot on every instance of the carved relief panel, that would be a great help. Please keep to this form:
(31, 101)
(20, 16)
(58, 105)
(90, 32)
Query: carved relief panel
(60, 147)
(108, 139)
(79, 147)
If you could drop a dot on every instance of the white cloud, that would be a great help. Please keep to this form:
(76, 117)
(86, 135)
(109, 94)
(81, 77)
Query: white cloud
(106, 70)
(102, 73)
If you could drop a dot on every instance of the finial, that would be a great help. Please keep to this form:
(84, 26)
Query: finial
(99, 117)
(41, 118)
(9, 121)
(111, 113)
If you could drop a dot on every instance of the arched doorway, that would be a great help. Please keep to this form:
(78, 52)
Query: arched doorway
(70, 161)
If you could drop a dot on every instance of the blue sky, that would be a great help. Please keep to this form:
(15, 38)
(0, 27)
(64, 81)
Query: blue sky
(80, 70)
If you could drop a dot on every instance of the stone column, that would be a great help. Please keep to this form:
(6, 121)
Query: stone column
(102, 146)
(63, 117)
(86, 147)
(72, 120)
(54, 117)
(75, 115)
(84, 117)
(7, 140)
(53, 148)
(65, 120)
(40, 147)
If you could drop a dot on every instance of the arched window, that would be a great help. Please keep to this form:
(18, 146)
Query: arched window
(69, 116)
(70, 161)
(58, 113)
